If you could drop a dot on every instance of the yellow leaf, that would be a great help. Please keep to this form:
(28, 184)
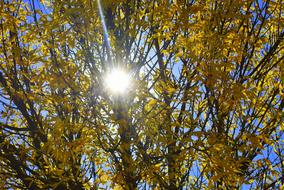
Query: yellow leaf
(104, 178)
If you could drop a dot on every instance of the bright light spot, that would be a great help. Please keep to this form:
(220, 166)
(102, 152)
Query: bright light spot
(117, 81)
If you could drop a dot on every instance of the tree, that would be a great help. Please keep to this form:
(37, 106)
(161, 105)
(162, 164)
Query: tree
(204, 111)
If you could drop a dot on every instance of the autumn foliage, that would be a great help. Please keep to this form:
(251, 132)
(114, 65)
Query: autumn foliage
(204, 110)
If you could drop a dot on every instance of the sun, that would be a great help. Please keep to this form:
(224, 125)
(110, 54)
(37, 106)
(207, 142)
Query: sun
(117, 81)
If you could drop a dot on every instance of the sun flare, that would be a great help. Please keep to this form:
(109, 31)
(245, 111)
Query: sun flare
(117, 81)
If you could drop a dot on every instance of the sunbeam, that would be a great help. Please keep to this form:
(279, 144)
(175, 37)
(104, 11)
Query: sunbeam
(104, 25)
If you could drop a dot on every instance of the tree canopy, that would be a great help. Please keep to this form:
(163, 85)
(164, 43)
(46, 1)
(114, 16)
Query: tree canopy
(204, 109)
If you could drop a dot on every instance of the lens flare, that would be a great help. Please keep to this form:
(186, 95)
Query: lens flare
(104, 25)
